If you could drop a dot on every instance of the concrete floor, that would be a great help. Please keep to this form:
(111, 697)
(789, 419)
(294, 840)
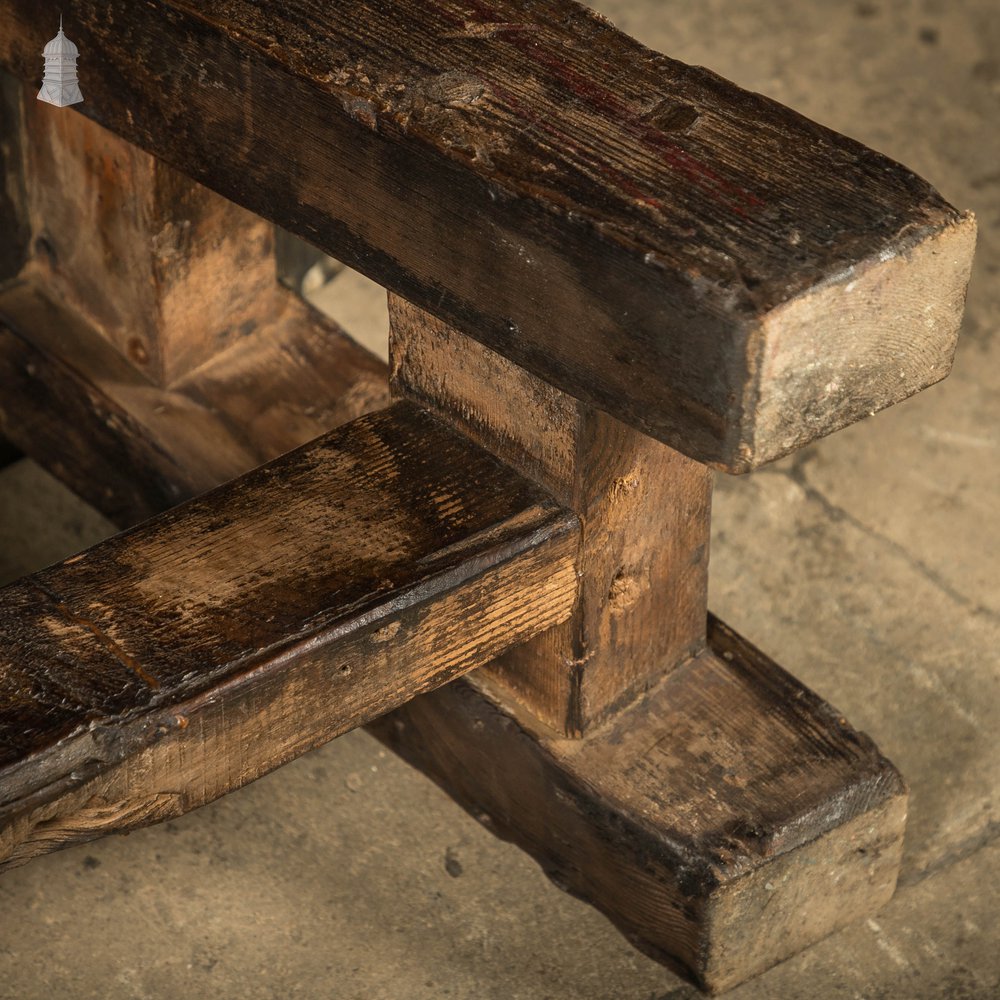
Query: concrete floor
(867, 565)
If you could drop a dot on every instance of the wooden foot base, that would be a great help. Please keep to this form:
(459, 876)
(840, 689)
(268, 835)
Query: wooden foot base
(724, 822)
(133, 449)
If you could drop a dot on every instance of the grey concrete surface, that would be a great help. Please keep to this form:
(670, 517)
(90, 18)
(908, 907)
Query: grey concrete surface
(867, 565)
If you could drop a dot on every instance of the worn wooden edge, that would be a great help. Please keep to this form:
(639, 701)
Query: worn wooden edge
(216, 712)
(723, 900)
(602, 286)
(132, 449)
(125, 774)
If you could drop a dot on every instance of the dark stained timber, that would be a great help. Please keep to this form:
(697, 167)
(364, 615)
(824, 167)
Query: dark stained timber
(180, 660)
(698, 261)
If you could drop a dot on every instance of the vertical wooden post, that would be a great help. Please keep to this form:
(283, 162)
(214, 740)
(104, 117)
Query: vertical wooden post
(166, 270)
(147, 349)
(644, 508)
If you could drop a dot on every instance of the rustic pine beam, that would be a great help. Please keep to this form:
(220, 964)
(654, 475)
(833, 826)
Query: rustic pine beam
(700, 262)
(176, 662)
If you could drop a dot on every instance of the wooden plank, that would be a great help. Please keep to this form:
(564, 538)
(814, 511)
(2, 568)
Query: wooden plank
(700, 262)
(180, 660)
(133, 449)
(644, 510)
(724, 822)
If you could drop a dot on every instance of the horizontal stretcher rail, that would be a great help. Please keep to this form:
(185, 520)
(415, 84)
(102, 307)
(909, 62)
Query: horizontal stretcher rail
(182, 659)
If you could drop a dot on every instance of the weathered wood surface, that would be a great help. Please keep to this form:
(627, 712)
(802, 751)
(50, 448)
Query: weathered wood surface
(723, 822)
(644, 512)
(700, 262)
(131, 448)
(166, 270)
(123, 275)
(178, 661)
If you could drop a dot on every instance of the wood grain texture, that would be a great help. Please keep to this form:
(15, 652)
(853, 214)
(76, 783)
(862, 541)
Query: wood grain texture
(295, 377)
(180, 660)
(725, 821)
(168, 271)
(644, 510)
(133, 449)
(640, 233)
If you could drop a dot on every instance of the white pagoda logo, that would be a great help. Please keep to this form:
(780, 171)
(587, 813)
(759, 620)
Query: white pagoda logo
(59, 85)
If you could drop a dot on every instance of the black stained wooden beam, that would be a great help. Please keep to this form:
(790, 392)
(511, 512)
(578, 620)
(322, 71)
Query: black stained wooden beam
(182, 659)
(699, 261)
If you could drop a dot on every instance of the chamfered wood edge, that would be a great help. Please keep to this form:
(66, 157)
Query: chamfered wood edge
(696, 905)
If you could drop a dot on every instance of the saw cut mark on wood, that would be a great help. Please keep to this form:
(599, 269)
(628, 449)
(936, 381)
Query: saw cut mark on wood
(182, 659)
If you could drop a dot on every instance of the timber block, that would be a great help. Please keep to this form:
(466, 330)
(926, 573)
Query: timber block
(724, 821)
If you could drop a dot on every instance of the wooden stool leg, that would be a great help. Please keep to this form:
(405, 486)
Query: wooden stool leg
(147, 349)
(720, 801)
(644, 507)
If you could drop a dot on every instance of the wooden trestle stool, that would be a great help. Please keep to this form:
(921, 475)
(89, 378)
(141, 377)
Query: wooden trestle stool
(609, 273)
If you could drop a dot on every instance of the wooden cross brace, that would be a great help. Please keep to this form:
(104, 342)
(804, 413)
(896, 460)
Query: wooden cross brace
(607, 272)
